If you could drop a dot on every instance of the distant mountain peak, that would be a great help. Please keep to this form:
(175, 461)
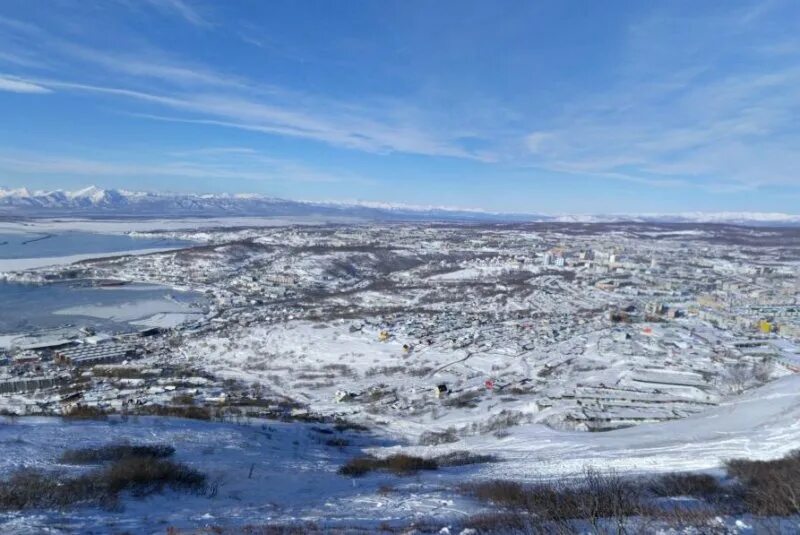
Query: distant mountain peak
(94, 201)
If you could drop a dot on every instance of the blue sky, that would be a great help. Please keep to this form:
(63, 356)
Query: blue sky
(580, 107)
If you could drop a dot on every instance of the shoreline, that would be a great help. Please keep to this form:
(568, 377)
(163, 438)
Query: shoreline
(11, 265)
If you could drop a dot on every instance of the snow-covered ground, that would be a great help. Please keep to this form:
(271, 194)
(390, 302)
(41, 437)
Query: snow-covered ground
(663, 336)
(133, 311)
(265, 472)
(21, 264)
(123, 226)
(763, 424)
(284, 472)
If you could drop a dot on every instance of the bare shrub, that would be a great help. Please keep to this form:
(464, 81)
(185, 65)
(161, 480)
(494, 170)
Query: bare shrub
(738, 377)
(399, 464)
(419, 372)
(146, 475)
(593, 497)
(509, 494)
(503, 420)
(342, 425)
(192, 412)
(407, 464)
(434, 438)
(316, 385)
(384, 370)
(501, 522)
(313, 376)
(685, 484)
(763, 371)
(358, 466)
(85, 412)
(467, 399)
(183, 399)
(141, 476)
(296, 528)
(337, 442)
(115, 452)
(769, 487)
(681, 518)
(28, 488)
(342, 369)
(117, 372)
(463, 458)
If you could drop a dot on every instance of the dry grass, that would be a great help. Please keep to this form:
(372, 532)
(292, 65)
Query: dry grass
(402, 465)
(115, 452)
(85, 412)
(462, 458)
(344, 425)
(464, 400)
(594, 496)
(434, 438)
(769, 488)
(685, 484)
(118, 372)
(183, 399)
(146, 475)
(192, 412)
(337, 442)
(399, 464)
(141, 476)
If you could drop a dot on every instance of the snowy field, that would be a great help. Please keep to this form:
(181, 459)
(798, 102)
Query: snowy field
(284, 472)
(265, 472)
(763, 424)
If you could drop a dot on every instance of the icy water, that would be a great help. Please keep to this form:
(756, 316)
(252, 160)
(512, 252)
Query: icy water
(32, 307)
(44, 245)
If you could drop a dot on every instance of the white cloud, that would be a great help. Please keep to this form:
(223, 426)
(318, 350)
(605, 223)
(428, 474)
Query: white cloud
(535, 141)
(181, 9)
(251, 166)
(200, 95)
(336, 123)
(21, 86)
(714, 108)
(714, 111)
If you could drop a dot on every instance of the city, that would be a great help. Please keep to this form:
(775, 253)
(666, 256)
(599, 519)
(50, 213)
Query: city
(405, 267)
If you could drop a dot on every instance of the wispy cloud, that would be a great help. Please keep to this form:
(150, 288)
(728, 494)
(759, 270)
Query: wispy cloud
(14, 85)
(340, 124)
(214, 151)
(21, 59)
(201, 95)
(212, 163)
(688, 123)
(147, 64)
(182, 9)
(716, 111)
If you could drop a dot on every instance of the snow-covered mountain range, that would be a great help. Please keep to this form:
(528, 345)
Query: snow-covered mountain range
(98, 202)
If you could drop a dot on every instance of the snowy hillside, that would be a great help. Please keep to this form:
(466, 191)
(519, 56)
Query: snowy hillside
(94, 201)
(246, 462)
